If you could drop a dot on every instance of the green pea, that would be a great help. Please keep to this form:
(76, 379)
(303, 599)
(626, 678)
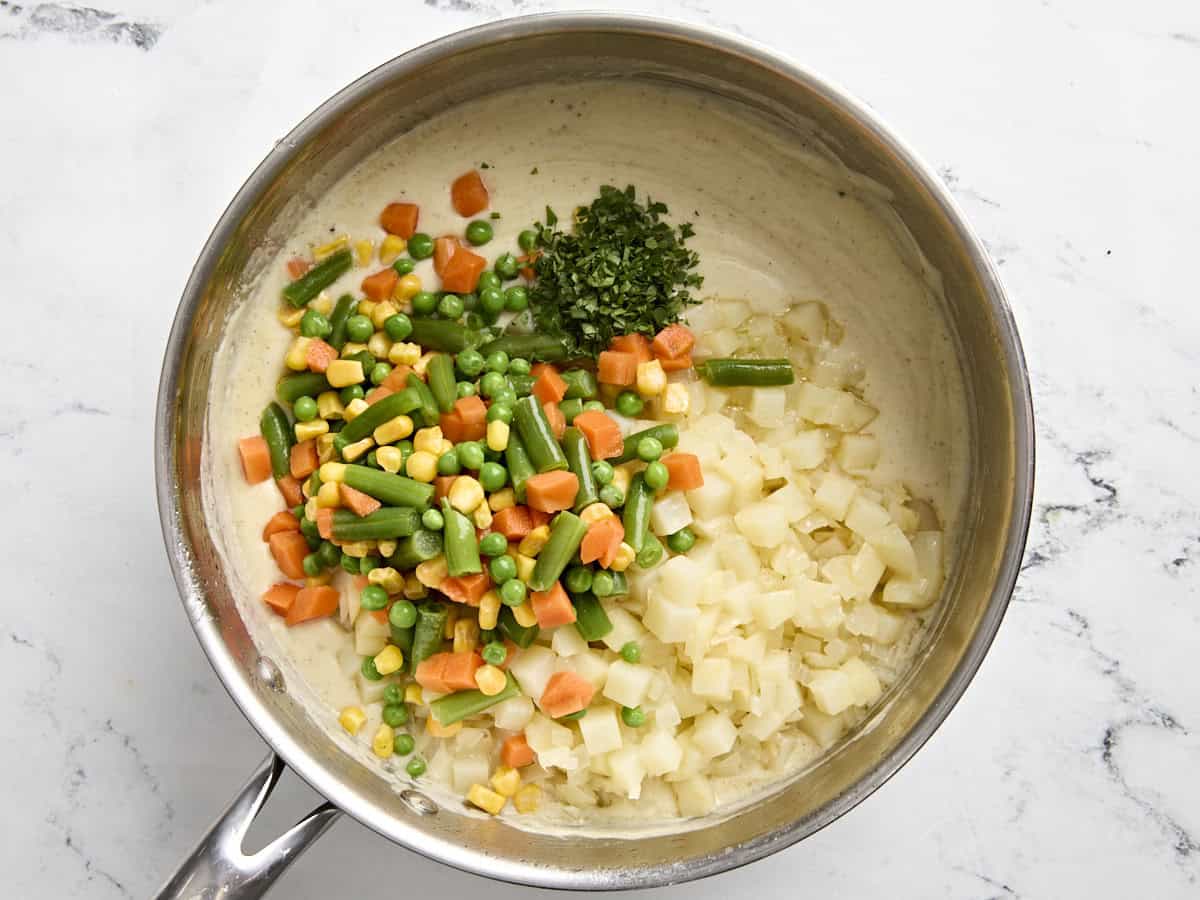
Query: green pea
(603, 472)
(503, 569)
(398, 327)
(448, 463)
(470, 301)
(464, 389)
(416, 765)
(305, 409)
(487, 280)
(682, 541)
(474, 321)
(404, 745)
(633, 716)
(315, 325)
(479, 232)
(649, 449)
(420, 246)
(496, 362)
(512, 592)
(379, 372)
(404, 266)
(611, 496)
(491, 300)
(493, 544)
(349, 394)
(373, 597)
(373, 460)
(328, 554)
(470, 454)
(527, 239)
(656, 475)
(491, 383)
(368, 563)
(406, 449)
(451, 306)
(516, 298)
(395, 715)
(651, 553)
(393, 693)
(349, 564)
(492, 476)
(495, 653)
(312, 565)
(359, 329)
(424, 303)
(603, 584)
(506, 266)
(579, 579)
(505, 395)
(593, 406)
(500, 412)
(469, 362)
(368, 669)
(403, 614)
(631, 652)
(433, 520)
(629, 404)
(519, 366)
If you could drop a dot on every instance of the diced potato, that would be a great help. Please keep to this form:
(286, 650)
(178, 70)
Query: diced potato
(795, 501)
(670, 513)
(867, 619)
(767, 406)
(820, 607)
(468, 770)
(863, 681)
(591, 666)
(627, 682)
(806, 321)
(667, 620)
(544, 734)
(895, 550)
(711, 678)
(600, 729)
(712, 499)
(677, 580)
(822, 728)
(738, 556)
(660, 752)
(697, 644)
(370, 635)
(806, 450)
(832, 690)
(567, 641)
(513, 714)
(773, 608)
(532, 667)
(713, 733)
(764, 524)
(626, 771)
(857, 452)
(865, 517)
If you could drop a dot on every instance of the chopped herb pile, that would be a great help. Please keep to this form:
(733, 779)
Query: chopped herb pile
(622, 270)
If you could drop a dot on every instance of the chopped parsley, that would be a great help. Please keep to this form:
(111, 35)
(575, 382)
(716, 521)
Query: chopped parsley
(621, 270)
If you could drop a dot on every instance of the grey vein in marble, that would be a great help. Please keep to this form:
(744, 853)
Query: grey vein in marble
(77, 22)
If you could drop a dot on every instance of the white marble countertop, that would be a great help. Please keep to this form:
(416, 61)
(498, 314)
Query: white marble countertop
(1072, 766)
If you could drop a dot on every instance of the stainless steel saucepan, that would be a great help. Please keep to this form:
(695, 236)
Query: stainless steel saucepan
(391, 100)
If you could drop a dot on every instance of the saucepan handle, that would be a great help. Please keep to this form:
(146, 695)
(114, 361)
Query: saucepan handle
(218, 868)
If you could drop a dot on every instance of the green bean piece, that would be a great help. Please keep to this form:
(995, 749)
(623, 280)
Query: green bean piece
(303, 384)
(540, 347)
(666, 434)
(514, 631)
(427, 633)
(393, 490)
(464, 704)
(402, 638)
(442, 335)
(337, 321)
(570, 409)
(277, 432)
(383, 524)
(651, 553)
(316, 279)
(566, 534)
(579, 460)
(581, 384)
(538, 437)
(522, 384)
(520, 466)
(429, 406)
(415, 549)
(441, 381)
(730, 372)
(400, 403)
(620, 584)
(460, 543)
(591, 621)
(638, 503)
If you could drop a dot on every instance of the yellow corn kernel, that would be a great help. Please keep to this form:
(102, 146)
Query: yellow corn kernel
(505, 781)
(350, 348)
(465, 494)
(355, 408)
(332, 472)
(407, 286)
(352, 718)
(365, 307)
(381, 313)
(433, 572)
(344, 372)
(323, 304)
(319, 580)
(390, 249)
(389, 659)
(497, 435)
(363, 251)
(339, 242)
(651, 379)
(329, 496)
(358, 549)
(325, 451)
(383, 744)
(310, 505)
(390, 459)
(490, 680)
(330, 406)
(623, 558)
(594, 512)
(380, 345)
(487, 800)
(504, 499)
(434, 728)
(422, 363)
(386, 549)
(351, 452)
(306, 431)
(404, 353)
(429, 440)
(525, 566)
(393, 430)
(466, 635)
(290, 316)
(385, 576)
(482, 517)
(297, 355)
(451, 621)
(527, 799)
(489, 610)
(412, 694)
(413, 589)
(524, 615)
(675, 400)
(422, 466)
(622, 476)
(532, 543)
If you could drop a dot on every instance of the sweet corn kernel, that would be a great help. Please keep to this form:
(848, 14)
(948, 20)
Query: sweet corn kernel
(532, 543)
(353, 451)
(389, 659)
(405, 288)
(506, 781)
(622, 476)
(350, 348)
(432, 572)
(330, 406)
(422, 363)
(487, 800)
(434, 728)
(358, 549)
(319, 580)
(651, 379)
(325, 451)
(366, 307)
(404, 353)
(333, 472)
(466, 635)
(290, 316)
(363, 251)
(329, 496)
(527, 799)
(386, 549)
(623, 558)
(489, 610)
(344, 372)
(339, 242)
(466, 494)
(385, 576)
(412, 694)
(675, 400)
(322, 303)
(451, 621)
(504, 499)
(297, 355)
(390, 249)
(525, 565)
(390, 459)
(306, 431)
(352, 718)
(497, 435)
(482, 517)
(595, 512)
(490, 680)
(524, 615)
(310, 507)
(422, 466)
(393, 430)
(428, 439)
(380, 344)
(355, 408)
(383, 744)
(381, 313)
(413, 589)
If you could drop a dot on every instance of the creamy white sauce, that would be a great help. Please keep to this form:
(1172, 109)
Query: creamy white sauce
(775, 223)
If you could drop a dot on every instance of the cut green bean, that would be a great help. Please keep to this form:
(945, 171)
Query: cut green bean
(566, 534)
(581, 384)
(651, 553)
(402, 638)
(427, 633)
(428, 408)
(591, 621)
(540, 347)
(443, 335)
(514, 630)
(537, 435)
(520, 467)
(394, 490)
(522, 384)
(666, 434)
(400, 403)
(418, 547)
(464, 704)
(303, 384)
(638, 504)
(570, 409)
(337, 321)
(442, 385)
(730, 372)
(579, 460)
(316, 279)
(460, 543)
(383, 524)
(277, 432)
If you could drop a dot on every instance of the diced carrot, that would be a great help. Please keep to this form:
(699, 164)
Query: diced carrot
(289, 487)
(468, 589)
(452, 426)
(515, 752)
(441, 486)
(256, 459)
(528, 272)
(297, 266)
(281, 521)
(356, 501)
(514, 523)
(602, 432)
(468, 194)
(462, 271)
(360, 582)
(289, 549)
(459, 673)
(539, 368)
(397, 378)
(549, 386)
(616, 367)
(319, 355)
(683, 471)
(444, 248)
(325, 523)
(312, 603)
(602, 541)
(430, 671)
(303, 459)
(400, 219)
(379, 615)
(281, 596)
(551, 491)
(538, 517)
(377, 393)
(379, 286)
(558, 422)
(552, 607)
(471, 410)
(566, 693)
(673, 342)
(676, 365)
(632, 343)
